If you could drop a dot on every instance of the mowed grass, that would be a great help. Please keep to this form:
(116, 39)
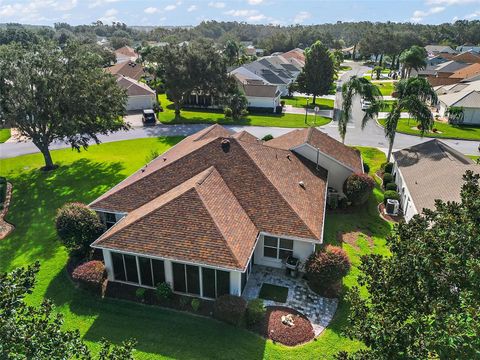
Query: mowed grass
(4, 135)
(408, 126)
(200, 116)
(385, 87)
(300, 101)
(388, 105)
(474, 157)
(161, 334)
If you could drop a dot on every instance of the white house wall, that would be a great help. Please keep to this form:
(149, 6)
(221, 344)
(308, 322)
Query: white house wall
(406, 201)
(337, 173)
(140, 102)
(263, 102)
(471, 116)
(301, 250)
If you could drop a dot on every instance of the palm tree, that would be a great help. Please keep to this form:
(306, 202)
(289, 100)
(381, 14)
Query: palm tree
(370, 92)
(412, 94)
(413, 59)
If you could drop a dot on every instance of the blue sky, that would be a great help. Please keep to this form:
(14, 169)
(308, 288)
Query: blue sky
(191, 12)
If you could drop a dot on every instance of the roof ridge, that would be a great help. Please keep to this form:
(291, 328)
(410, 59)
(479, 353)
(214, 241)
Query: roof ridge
(270, 181)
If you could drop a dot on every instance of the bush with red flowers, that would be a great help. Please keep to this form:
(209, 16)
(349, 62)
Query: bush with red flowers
(358, 187)
(90, 275)
(230, 308)
(326, 268)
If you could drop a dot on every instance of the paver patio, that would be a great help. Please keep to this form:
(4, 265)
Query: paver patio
(317, 309)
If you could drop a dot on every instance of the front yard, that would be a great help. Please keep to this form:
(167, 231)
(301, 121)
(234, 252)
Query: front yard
(408, 126)
(160, 333)
(386, 87)
(4, 135)
(201, 116)
(299, 101)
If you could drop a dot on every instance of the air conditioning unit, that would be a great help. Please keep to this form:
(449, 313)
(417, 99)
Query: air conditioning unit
(392, 208)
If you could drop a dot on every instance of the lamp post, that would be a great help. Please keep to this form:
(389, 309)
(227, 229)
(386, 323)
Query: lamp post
(315, 116)
(306, 111)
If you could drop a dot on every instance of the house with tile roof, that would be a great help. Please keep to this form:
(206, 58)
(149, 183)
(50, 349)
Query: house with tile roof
(428, 171)
(127, 68)
(140, 95)
(468, 100)
(200, 215)
(125, 53)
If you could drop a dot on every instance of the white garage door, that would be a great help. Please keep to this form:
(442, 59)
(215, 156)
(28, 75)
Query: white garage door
(139, 102)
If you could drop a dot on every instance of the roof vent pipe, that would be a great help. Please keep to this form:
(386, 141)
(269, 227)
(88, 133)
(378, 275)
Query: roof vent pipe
(225, 145)
(302, 184)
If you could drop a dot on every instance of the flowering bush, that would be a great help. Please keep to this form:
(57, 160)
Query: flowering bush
(325, 268)
(90, 274)
(358, 187)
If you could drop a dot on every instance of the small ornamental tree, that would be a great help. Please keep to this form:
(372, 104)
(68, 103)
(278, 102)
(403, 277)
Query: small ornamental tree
(326, 268)
(90, 274)
(358, 187)
(78, 226)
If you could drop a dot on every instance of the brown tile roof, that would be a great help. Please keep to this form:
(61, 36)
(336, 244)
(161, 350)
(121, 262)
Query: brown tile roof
(467, 72)
(127, 51)
(433, 170)
(265, 182)
(296, 54)
(347, 156)
(191, 222)
(128, 68)
(245, 136)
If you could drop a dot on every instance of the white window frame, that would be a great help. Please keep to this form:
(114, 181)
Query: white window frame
(277, 248)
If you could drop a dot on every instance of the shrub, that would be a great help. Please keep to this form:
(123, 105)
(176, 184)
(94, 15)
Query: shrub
(391, 187)
(388, 167)
(435, 130)
(164, 291)
(255, 311)
(3, 189)
(419, 127)
(195, 304)
(390, 194)
(267, 137)
(230, 308)
(184, 301)
(90, 275)
(366, 168)
(228, 112)
(387, 178)
(342, 203)
(325, 268)
(244, 113)
(358, 187)
(140, 293)
(282, 103)
(278, 110)
(78, 226)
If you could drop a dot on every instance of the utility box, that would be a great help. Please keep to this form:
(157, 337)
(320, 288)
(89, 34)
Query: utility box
(393, 206)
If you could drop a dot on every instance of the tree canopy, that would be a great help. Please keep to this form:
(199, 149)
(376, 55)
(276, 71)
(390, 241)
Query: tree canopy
(29, 332)
(318, 73)
(58, 94)
(424, 299)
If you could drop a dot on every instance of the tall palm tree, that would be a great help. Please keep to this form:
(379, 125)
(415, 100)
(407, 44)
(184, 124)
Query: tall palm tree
(413, 59)
(412, 94)
(370, 92)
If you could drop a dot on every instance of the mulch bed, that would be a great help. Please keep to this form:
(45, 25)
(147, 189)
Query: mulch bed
(385, 216)
(127, 292)
(301, 331)
(5, 227)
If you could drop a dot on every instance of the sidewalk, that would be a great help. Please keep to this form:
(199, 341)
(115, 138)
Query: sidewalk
(290, 109)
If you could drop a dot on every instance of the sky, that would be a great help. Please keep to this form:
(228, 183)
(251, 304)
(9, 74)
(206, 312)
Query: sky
(192, 12)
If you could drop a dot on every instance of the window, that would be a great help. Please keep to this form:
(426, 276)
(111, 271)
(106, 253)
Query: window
(277, 248)
(158, 268)
(179, 281)
(145, 271)
(193, 280)
(131, 268)
(110, 220)
(118, 268)
(215, 282)
(223, 282)
(186, 278)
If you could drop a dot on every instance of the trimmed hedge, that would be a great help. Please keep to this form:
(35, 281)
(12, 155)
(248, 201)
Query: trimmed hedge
(230, 308)
(390, 194)
(387, 178)
(366, 168)
(358, 188)
(255, 311)
(391, 186)
(388, 167)
(90, 275)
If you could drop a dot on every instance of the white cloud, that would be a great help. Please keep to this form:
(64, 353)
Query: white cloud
(249, 15)
(151, 10)
(192, 8)
(451, 2)
(472, 15)
(301, 17)
(109, 16)
(97, 3)
(170, 7)
(30, 11)
(255, 2)
(216, 5)
(419, 15)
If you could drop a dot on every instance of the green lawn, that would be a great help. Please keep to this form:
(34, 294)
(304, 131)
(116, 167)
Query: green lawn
(387, 105)
(474, 157)
(4, 135)
(160, 333)
(345, 68)
(386, 87)
(200, 116)
(299, 101)
(445, 130)
(273, 292)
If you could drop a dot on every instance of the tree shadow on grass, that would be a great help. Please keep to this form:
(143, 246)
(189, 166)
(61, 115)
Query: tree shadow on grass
(36, 197)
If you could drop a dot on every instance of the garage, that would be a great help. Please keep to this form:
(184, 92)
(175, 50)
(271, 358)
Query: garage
(140, 96)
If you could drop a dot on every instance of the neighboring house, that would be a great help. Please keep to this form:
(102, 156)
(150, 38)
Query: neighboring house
(128, 68)
(270, 74)
(140, 96)
(467, 57)
(250, 50)
(126, 53)
(200, 215)
(428, 171)
(469, 100)
(467, 47)
(433, 50)
(261, 95)
(442, 72)
(295, 56)
(466, 73)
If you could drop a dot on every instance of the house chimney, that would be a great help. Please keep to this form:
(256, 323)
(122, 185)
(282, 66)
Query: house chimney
(225, 145)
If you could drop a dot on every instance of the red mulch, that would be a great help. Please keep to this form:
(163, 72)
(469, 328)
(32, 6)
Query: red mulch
(384, 215)
(274, 329)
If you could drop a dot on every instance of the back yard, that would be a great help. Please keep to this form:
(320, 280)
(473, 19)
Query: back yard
(160, 333)
(201, 116)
